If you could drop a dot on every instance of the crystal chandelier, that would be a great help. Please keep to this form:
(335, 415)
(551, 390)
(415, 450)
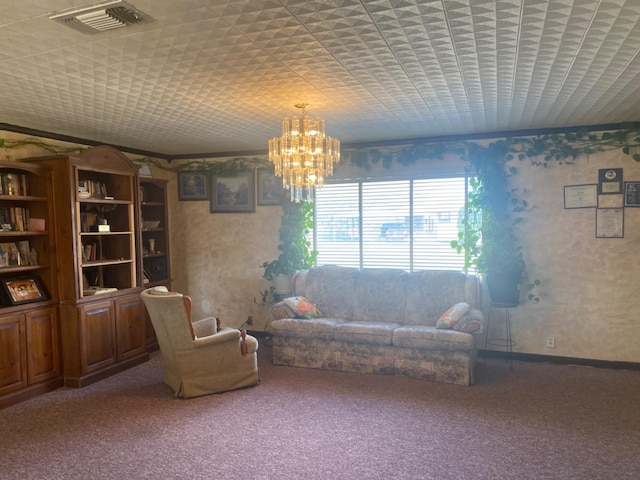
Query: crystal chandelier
(303, 156)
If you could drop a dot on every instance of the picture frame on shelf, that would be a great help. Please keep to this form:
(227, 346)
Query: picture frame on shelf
(233, 194)
(270, 191)
(23, 289)
(192, 186)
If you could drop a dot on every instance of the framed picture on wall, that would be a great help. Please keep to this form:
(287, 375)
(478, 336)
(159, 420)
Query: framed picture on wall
(234, 194)
(632, 194)
(25, 289)
(270, 191)
(609, 222)
(580, 196)
(192, 186)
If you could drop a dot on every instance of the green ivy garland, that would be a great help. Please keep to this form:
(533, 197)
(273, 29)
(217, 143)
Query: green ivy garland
(494, 202)
(562, 148)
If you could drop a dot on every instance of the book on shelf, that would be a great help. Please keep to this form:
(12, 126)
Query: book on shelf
(15, 218)
(91, 189)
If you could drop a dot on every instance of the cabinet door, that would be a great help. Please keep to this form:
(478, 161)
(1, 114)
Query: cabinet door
(13, 353)
(42, 341)
(130, 326)
(98, 344)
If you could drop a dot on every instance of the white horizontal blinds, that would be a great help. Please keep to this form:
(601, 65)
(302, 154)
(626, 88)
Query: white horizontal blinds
(438, 204)
(406, 224)
(337, 224)
(385, 224)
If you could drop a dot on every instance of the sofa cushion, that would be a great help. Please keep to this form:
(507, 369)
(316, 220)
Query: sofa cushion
(365, 332)
(431, 292)
(319, 328)
(380, 296)
(417, 336)
(331, 289)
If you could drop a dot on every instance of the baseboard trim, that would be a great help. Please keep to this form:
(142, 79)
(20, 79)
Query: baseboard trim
(532, 357)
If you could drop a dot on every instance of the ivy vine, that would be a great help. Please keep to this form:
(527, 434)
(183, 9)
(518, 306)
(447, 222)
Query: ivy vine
(562, 148)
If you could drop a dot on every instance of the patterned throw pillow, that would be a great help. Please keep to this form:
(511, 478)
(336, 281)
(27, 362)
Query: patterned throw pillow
(472, 322)
(451, 316)
(302, 307)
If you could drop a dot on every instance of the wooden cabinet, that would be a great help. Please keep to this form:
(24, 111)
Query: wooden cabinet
(29, 330)
(155, 241)
(97, 248)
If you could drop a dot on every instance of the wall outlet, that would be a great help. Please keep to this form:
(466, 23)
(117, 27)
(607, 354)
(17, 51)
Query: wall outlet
(551, 342)
(249, 320)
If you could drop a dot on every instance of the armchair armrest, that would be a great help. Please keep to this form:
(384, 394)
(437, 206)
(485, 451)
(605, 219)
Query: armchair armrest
(205, 327)
(224, 335)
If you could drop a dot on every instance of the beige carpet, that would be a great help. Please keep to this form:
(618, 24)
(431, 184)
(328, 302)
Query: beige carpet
(539, 422)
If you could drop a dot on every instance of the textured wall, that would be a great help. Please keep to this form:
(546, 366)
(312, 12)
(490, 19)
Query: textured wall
(588, 287)
(216, 257)
(588, 283)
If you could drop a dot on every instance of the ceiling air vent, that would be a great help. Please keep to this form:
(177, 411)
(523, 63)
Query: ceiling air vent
(101, 17)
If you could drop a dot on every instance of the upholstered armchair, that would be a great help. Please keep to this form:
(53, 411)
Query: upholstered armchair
(199, 357)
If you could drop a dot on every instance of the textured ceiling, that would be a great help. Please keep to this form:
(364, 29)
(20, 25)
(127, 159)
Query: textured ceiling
(219, 76)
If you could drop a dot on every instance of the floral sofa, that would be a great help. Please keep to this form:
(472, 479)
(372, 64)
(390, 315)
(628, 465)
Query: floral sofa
(381, 321)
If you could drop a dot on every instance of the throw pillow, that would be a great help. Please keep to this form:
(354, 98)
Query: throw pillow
(451, 316)
(472, 322)
(302, 307)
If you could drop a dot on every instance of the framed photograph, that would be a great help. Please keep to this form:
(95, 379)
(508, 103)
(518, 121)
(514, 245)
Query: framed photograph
(609, 222)
(192, 186)
(580, 196)
(270, 191)
(233, 194)
(24, 289)
(632, 194)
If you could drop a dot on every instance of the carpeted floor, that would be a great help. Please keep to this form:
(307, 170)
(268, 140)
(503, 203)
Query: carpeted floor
(540, 421)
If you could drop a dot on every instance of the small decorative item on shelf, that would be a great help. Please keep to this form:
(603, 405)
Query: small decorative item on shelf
(37, 224)
(13, 184)
(151, 224)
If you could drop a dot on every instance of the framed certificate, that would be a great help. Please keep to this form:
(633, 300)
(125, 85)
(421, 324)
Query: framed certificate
(632, 194)
(581, 196)
(609, 222)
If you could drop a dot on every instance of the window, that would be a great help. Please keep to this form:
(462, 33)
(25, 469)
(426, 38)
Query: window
(406, 224)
